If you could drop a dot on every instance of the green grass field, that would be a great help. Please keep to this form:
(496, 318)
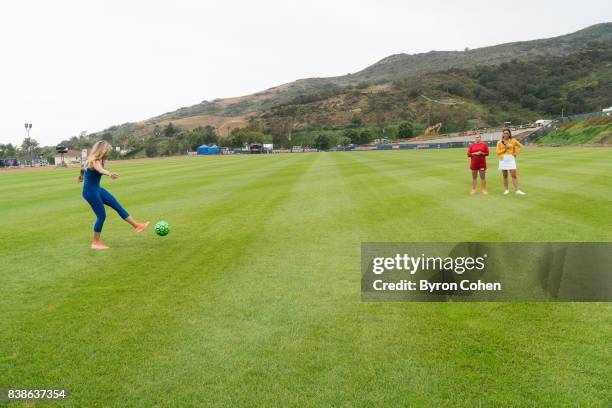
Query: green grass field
(254, 297)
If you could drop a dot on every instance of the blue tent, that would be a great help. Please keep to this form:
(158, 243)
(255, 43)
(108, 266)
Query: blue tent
(207, 150)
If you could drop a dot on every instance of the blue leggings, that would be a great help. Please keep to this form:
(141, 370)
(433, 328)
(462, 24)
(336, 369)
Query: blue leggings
(97, 198)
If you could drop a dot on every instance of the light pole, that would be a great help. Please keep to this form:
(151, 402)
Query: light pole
(28, 127)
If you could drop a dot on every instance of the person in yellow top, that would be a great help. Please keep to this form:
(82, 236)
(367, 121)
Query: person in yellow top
(508, 149)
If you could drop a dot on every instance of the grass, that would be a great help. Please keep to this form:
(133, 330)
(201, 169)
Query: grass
(254, 297)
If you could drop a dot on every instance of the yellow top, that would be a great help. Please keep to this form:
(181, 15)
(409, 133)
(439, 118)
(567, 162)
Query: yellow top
(513, 147)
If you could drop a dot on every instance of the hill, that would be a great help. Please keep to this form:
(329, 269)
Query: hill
(396, 67)
(462, 89)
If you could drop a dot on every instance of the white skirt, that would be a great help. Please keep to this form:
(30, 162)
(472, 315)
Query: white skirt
(507, 162)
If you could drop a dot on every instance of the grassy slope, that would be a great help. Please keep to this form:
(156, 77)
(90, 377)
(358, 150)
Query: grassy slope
(253, 299)
(580, 132)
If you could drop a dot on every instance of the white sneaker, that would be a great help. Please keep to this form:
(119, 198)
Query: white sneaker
(506, 192)
(519, 192)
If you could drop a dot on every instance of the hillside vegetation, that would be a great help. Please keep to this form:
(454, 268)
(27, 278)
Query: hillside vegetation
(592, 131)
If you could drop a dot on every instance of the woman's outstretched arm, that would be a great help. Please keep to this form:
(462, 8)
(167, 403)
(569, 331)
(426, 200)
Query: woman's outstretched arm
(98, 166)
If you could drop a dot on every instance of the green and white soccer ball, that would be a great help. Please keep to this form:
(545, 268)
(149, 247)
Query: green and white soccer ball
(162, 228)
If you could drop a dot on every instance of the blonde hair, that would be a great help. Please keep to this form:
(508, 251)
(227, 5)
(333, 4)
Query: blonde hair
(99, 152)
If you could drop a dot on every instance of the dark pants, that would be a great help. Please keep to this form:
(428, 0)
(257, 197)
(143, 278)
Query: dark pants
(97, 199)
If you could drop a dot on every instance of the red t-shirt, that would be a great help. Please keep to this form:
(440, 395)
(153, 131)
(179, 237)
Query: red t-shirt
(479, 161)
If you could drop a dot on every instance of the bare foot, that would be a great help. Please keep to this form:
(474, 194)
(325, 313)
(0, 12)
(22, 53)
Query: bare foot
(98, 245)
(141, 227)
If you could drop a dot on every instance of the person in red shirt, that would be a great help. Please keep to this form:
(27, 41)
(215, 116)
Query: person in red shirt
(478, 152)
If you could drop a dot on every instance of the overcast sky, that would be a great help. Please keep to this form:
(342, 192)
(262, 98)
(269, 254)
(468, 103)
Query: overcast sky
(72, 66)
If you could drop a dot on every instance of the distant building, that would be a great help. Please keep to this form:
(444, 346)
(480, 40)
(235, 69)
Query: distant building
(72, 157)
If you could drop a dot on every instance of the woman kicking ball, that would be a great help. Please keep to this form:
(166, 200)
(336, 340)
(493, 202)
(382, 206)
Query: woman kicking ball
(478, 152)
(97, 197)
(507, 150)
